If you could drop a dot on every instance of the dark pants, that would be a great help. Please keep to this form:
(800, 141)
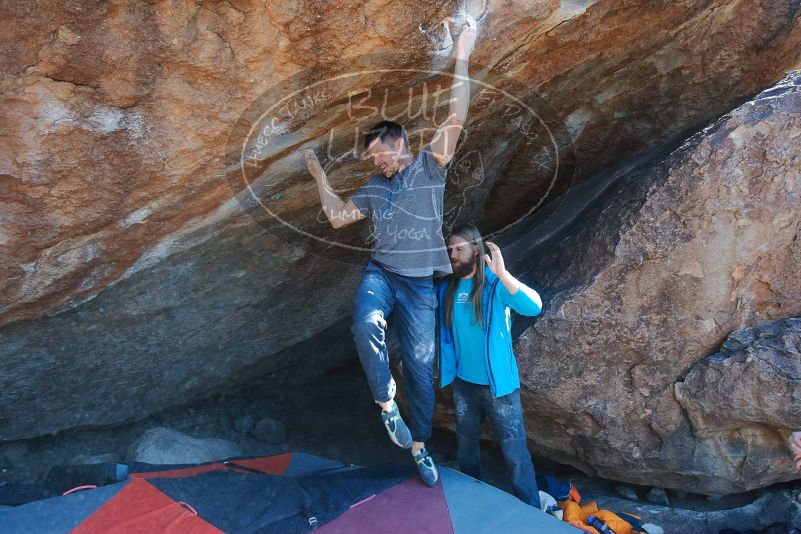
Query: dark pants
(414, 303)
(473, 402)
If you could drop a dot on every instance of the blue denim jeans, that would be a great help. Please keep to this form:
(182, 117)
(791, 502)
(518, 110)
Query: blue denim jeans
(412, 300)
(473, 402)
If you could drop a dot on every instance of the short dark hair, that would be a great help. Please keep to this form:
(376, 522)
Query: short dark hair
(386, 130)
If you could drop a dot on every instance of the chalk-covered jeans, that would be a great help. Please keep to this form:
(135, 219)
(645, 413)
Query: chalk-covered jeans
(413, 302)
(473, 402)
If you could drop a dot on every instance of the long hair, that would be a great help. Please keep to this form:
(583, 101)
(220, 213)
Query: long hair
(469, 233)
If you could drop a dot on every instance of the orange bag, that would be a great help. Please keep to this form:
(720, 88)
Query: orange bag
(576, 515)
(613, 521)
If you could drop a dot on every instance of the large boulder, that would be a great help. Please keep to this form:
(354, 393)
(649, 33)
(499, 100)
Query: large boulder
(645, 271)
(165, 446)
(131, 279)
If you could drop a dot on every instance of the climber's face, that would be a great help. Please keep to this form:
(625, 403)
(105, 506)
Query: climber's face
(388, 156)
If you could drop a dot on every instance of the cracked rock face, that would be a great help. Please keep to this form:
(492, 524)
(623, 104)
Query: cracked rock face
(648, 273)
(131, 280)
(754, 379)
(746, 398)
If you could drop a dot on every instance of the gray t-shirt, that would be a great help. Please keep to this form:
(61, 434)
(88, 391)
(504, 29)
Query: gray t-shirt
(406, 214)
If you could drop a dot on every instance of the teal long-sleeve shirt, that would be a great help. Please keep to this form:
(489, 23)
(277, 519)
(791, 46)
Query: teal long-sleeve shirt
(500, 363)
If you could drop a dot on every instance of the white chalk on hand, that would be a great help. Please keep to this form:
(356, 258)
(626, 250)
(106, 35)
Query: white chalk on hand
(470, 21)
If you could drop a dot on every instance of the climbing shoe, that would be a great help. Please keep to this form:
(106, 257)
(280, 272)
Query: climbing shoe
(396, 428)
(426, 467)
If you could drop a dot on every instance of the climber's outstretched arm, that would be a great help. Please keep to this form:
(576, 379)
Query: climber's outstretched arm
(338, 212)
(443, 145)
